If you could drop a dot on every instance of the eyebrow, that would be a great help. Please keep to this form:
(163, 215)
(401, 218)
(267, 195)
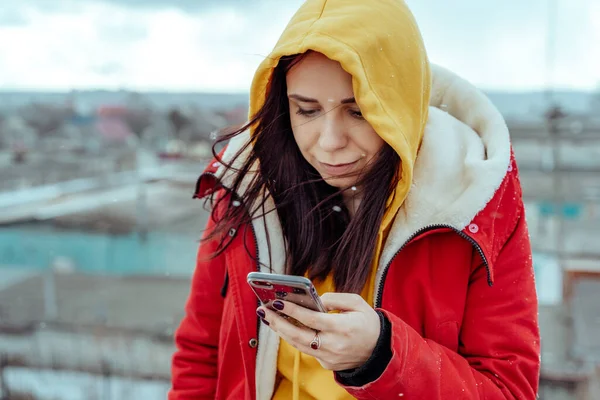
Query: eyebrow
(304, 99)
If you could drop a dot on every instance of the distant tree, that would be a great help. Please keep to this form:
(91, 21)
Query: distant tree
(178, 120)
(45, 118)
(139, 113)
(555, 113)
(138, 120)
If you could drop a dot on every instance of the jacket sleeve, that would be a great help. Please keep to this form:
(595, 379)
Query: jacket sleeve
(499, 351)
(194, 364)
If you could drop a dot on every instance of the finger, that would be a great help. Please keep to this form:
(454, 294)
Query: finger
(298, 337)
(313, 319)
(278, 321)
(301, 339)
(270, 317)
(344, 302)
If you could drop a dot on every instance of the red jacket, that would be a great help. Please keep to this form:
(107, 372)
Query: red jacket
(462, 306)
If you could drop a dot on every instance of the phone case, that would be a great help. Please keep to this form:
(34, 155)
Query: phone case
(295, 289)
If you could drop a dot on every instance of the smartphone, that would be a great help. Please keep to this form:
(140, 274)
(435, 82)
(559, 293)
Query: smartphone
(295, 289)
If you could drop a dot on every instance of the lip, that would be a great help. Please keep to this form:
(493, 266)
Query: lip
(337, 169)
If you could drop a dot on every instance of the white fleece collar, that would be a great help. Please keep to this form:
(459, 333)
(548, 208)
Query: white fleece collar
(462, 161)
(266, 357)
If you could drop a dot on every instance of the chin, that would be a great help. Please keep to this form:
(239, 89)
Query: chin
(340, 183)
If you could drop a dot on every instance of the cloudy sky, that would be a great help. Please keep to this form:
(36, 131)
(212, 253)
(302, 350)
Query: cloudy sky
(215, 45)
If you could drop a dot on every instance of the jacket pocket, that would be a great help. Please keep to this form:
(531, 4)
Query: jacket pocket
(446, 334)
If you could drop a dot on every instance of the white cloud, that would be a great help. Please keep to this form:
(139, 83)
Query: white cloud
(61, 50)
(107, 45)
(578, 55)
(217, 51)
(503, 45)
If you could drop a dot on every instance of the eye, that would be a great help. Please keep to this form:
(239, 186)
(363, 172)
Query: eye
(356, 114)
(306, 113)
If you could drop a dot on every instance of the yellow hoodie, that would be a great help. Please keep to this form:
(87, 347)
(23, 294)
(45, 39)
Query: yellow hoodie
(379, 44)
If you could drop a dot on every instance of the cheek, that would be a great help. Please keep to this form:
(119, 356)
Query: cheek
(369, 141)
(304, 138)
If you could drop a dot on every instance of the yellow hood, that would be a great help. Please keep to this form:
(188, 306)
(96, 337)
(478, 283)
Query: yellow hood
(379, 44)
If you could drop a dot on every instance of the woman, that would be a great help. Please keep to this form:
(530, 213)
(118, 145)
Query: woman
(391, 184)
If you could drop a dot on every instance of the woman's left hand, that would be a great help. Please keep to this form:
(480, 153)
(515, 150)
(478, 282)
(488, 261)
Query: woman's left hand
(347, 338)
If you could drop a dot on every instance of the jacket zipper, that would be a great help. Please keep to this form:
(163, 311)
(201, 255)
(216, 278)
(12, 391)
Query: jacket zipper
(378, 297)
(258, 322)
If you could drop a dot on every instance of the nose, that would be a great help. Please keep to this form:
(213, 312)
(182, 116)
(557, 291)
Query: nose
(333, 135)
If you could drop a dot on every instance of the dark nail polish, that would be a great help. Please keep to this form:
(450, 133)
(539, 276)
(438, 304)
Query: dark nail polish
(278, 305)
(265, 322)
(261, 313)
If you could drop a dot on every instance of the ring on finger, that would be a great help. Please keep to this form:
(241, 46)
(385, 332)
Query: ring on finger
(316, 342)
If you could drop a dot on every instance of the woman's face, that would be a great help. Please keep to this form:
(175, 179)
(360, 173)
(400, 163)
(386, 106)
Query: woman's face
(326, 121)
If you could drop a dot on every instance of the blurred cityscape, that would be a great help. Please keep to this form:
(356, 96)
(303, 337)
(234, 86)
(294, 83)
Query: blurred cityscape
(98, 234)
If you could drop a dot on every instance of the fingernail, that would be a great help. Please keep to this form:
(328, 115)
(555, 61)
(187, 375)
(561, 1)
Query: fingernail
(278, 305)
(261, 313)
(265, 322)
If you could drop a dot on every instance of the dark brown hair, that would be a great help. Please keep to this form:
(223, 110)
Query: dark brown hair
(319, 240)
